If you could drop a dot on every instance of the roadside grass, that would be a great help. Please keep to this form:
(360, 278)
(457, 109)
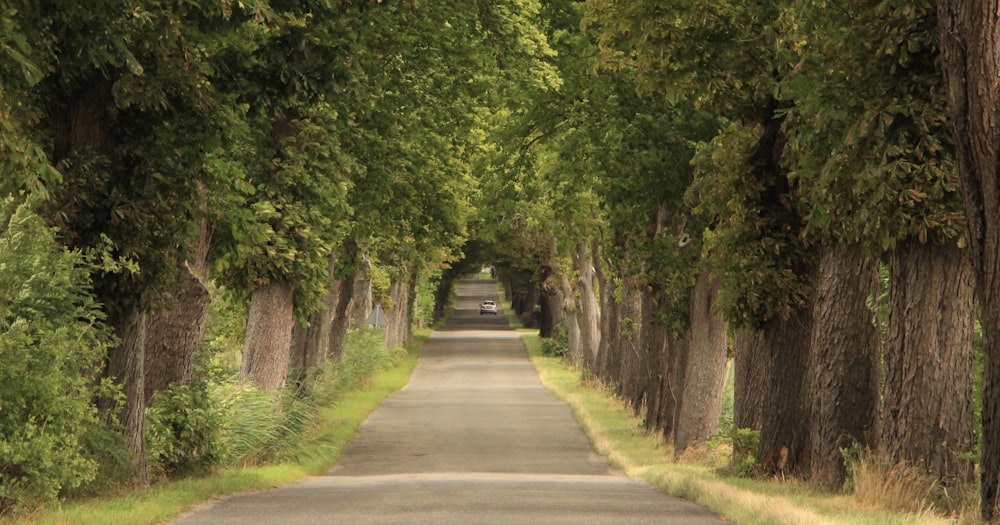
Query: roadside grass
(338, 424)
(642, 454)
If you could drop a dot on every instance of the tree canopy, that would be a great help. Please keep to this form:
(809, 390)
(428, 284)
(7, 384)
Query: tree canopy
(632, 169)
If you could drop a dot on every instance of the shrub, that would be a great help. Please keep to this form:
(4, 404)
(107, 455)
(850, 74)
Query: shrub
(183, 430)
(51, 344)
(746, 443)
(423, 314)
(557, 345)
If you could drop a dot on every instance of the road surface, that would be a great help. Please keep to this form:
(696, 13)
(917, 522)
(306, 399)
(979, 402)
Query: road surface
(474, 438)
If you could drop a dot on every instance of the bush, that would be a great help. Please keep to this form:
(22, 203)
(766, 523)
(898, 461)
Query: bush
(183, 430)
(746, 444)
(51, 344)
(557, 345)
(423, 314)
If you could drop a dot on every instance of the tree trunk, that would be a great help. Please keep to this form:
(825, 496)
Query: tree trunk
(927, 420)
(574, 350)
(397, 330)
(173, 334)
(176, 330)
(609, 357)
(750, 377)
(125, 366)
(845, 361)
(549, 317)
(552, 299)
(549, 312)
(310, 343)
(633, 377)
(589, 316)
(659, 398)
(701, 399)
(267, 350)
(341, 320)
(784, 433)
(970, 47)
(361, 305)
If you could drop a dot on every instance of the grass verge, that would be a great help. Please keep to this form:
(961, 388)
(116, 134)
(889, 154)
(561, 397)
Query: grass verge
(621, 437)
(339, 423)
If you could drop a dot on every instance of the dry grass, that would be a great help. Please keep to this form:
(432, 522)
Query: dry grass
(695, 475)
(879, 485)
(900, 487)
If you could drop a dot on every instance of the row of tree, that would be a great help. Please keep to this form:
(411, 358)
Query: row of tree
(284, 150)
(714, 168)
(656, 174)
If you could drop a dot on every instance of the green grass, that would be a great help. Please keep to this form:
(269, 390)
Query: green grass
(619, 436)
(339, 423)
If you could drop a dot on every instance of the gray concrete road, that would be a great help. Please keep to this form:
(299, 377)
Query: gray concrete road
(474, 438)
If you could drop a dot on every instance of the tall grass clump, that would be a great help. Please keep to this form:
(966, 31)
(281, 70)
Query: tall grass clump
(263, 427)
(876, 484)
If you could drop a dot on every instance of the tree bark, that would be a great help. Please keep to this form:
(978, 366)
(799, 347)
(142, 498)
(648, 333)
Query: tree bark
(397, 330)
(660, 401)
(970, 57)
(361, 305)
(126, 367)
(310, 343)
(927, 419)
(574, 349)
(750, 376)
(609, 357)
(845, 365)
(589, 316)
(784, 433)
(174, 333)
(701, 400)
(552, 300)
(550, 315)
(633, 377)
(267, 350)
(340, 320)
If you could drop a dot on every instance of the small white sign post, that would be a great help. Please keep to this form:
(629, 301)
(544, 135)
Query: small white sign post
(377, 317)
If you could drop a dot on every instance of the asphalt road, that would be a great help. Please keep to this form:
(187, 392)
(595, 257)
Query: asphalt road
(474, 438)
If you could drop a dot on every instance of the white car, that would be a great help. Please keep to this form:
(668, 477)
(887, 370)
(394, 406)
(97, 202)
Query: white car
(488, 307)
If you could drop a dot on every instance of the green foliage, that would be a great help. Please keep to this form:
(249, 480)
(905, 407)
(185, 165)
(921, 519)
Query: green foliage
(869, 134)
(261, 427)
(746, 445)
(51, 344)
(225, 328)
(557, 345)
(759, 254)
(426, 285)
(182, 430)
